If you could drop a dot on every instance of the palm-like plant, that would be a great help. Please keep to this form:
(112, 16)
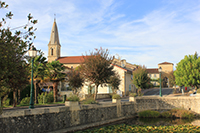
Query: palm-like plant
(55, 74)
(39, 73)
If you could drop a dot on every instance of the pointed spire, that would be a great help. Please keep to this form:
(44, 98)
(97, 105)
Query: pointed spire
(54, 38)
(54, 17)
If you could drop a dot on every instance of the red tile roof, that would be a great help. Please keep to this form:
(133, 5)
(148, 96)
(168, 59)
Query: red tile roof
(154, 70)
(124, 68)
(165, 63)
(71, 59)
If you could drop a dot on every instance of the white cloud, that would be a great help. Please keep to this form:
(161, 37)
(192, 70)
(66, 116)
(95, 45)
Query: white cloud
(166, 33)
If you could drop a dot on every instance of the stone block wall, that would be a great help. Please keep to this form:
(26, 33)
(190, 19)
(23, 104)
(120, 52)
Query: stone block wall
(55, 118)
(50, 119)
(166, 103)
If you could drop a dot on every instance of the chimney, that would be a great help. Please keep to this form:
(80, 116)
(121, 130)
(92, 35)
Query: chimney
(123, 63)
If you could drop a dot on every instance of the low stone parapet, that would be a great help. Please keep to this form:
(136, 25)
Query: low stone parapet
(48, 119)
(166, 103)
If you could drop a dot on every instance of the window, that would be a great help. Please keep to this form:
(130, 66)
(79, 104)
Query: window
(131, 76)
(91, 89)
(71, 67)
(109, 89)
(150, 75)
(51, 51)
(154, 75)
(68, 87)
(129, 87)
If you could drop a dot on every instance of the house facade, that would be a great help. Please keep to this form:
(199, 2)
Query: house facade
(123, 68)
(154, 74)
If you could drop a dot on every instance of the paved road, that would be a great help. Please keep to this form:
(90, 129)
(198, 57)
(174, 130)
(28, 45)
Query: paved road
(165, 91)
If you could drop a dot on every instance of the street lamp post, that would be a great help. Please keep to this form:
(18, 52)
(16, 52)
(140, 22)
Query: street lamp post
(32, 53)
(160, 70)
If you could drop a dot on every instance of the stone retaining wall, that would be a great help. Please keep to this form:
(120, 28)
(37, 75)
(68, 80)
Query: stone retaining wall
(166, 103)
(50, 119)
(55, 118)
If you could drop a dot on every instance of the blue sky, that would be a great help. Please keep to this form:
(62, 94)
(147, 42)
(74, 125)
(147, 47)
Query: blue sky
(144, 32)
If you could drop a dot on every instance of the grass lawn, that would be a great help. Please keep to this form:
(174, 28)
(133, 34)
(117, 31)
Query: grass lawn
(144, 129)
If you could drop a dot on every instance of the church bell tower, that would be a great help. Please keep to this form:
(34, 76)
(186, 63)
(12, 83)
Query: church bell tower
(54, 44)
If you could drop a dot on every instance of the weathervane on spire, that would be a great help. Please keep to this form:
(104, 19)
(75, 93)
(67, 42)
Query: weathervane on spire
(54, 17)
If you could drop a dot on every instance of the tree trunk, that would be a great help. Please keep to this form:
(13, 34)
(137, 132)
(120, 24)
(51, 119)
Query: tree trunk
(1, 101)
(55, 84)
(14, 98)
(96, 91)
(19, 96)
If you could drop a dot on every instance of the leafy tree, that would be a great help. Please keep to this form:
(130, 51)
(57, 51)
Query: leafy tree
(55, 75)
(171, 78)
(75, 80)
(140, 77)
(114, 82)
(96, 68)
(188, 71)
(13, 47)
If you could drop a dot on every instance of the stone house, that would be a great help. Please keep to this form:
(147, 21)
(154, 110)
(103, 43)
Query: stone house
(123, 68)
(154, 74)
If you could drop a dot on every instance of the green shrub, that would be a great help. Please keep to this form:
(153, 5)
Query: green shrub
(25, 101)
(89, 101)
(6, 102)
(188, 115)
(139, 92)
(149, 113)
(72, 98)
(116, 96)
(45, 98)
(132, 94)
(182, 113)
(167, 114)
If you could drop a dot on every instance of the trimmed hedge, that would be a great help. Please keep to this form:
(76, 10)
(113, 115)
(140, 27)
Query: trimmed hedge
(116, 96)
(149, 113)
(72, 98)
